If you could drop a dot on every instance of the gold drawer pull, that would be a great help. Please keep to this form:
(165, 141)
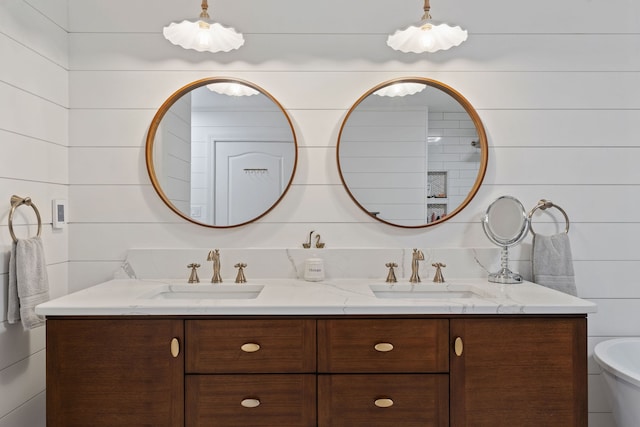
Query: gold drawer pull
(383, 403)
(250, 403)
(383, 347)
(175, 347)
(250, 347)
(458, 346)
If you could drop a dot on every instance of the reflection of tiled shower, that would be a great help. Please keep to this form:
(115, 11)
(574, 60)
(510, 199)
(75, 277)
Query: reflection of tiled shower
(450, 152)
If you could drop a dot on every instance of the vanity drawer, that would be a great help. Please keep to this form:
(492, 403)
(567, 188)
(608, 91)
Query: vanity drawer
(383, 400)
(383, 345)
(263, 400)
(250, 346)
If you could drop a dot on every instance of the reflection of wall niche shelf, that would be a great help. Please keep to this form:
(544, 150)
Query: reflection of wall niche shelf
(437, 201)
(437, 183)
(436, 211)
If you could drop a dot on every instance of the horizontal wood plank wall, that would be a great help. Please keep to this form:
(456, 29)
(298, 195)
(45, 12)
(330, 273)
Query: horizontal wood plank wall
(558, 95)
(34, 123)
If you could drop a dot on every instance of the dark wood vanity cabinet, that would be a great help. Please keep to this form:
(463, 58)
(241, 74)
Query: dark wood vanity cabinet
(114, 372)
(437, 371)
(519, 371)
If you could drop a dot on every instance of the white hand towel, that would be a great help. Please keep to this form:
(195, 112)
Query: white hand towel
(31, 282)
(552, 263)
(13, 303)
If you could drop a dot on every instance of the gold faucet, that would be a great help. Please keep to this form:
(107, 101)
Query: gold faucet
(438, 277)
(417, 256)
(193, 277)
(215, 257)
(240, 276)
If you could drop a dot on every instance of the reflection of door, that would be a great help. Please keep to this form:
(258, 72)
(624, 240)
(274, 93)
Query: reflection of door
(250, 177)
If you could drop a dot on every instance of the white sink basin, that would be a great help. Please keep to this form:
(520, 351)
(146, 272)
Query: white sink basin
(424, 291)
(204, 292)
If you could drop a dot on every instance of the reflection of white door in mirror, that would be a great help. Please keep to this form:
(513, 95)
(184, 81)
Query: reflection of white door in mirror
(180, 151)
(248, 177)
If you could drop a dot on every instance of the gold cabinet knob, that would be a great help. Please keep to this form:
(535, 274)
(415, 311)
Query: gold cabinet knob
(250, 347)
(383, 403)
(250, 403)
(458, 346)
(383, 347)
(175, 347)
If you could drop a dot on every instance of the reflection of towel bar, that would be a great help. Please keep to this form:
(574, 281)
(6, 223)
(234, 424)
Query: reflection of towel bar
(546, 204)
(17, 201)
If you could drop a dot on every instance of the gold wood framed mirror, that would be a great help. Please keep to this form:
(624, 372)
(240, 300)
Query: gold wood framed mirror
(412, 152)
(221, 152)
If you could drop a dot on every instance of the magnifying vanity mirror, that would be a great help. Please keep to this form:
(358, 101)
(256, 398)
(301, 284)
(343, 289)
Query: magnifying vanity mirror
(412, 152)
(505, 223)
(221, 152)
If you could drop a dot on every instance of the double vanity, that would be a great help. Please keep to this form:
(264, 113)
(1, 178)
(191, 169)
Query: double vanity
(286, 352)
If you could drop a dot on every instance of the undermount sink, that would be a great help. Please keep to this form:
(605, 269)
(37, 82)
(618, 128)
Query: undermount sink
(423, 291)
(204, 292)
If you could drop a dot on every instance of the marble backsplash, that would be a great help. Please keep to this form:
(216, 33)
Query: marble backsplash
(339, 263)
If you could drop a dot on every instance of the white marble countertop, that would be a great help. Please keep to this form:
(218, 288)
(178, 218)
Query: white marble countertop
(298, 297)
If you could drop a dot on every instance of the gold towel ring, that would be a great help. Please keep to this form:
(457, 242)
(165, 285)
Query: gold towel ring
(546, 204)
(17, 201)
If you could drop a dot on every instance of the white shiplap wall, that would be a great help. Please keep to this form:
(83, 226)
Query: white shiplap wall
(557, 87)
(34, 95)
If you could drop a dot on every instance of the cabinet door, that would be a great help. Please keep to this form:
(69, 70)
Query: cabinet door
(114, 373)
(519, 371)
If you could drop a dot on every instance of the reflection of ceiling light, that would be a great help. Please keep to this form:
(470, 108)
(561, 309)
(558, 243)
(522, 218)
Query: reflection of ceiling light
(433, 139)
(203, 35)
(400, 89)
(427, 36)
(232, 89)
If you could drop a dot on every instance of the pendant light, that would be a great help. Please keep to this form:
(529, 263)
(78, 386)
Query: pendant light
(204, 35)
(427, 35)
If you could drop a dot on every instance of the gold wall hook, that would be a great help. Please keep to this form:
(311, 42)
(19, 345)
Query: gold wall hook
(319, 245)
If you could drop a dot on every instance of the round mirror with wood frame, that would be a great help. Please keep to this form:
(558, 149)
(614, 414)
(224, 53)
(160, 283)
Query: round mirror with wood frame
(221, 152)
(412, 152)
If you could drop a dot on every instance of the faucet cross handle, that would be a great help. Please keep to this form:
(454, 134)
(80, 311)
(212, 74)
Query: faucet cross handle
(391, 276)
(240, 278)
(438, 277)
(193, 277)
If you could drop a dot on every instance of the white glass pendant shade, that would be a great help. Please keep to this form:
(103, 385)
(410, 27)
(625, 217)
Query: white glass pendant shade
(427, 36)
(232, 89)
(203, 36)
